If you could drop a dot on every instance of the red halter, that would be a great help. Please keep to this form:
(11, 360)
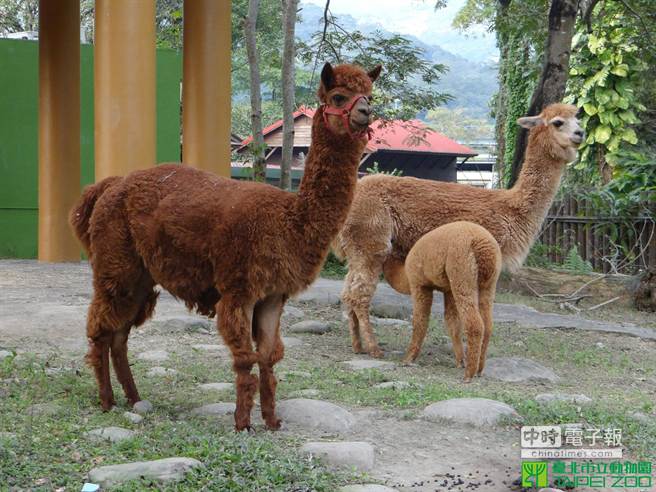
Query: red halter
(344, 114)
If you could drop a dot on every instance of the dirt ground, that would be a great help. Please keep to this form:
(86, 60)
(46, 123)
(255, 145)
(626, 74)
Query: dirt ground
(42, 314)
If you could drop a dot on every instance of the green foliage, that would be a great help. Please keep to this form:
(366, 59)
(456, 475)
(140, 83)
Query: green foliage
(538, 256)
(606, 69)
(460, 126)
(334, 267)
(574, 263)
(376, 170)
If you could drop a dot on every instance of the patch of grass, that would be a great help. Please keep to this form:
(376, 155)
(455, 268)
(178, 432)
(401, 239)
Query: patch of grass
(334, 268)
(50, 451)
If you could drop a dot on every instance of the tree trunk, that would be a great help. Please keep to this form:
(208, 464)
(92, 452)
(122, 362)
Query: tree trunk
(551, 86)
(257, 145)
(288, 87)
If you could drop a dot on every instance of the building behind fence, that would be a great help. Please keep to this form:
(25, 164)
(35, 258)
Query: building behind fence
(609, 244)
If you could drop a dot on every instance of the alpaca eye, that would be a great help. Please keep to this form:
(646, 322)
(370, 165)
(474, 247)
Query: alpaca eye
(558, 123)
(338, 99)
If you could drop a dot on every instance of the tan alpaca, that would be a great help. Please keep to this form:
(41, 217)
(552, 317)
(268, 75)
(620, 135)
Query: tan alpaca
(463, 261)
(389, 214)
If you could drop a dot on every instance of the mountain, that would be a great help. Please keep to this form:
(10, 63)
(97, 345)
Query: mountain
(472, 83)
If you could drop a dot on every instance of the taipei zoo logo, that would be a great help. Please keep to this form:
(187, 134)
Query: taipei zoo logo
(535, 474)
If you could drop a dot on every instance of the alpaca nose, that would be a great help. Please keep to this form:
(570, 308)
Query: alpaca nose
(580, 134)
(365, 110)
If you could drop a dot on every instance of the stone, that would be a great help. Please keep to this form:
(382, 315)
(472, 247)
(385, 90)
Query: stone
(395, 310)
(285, 375)
(5, 353)
(43, 409)
(312, 326)
(161, 371)
(289, 342)
(517, 369)
(112, 434)
(546, 398)
(397, 385)
(367, 487)
(142, 407)
(389, 322)
(475, 411)
(360, 364)
(316, 295)
(164, 470)
(209, 347)
(292, 312)
(216, 386)
(135, 418)
(640, 417)
(357, 454)
(154, 355)
(315, 414)
(191, 324)
(215, 409)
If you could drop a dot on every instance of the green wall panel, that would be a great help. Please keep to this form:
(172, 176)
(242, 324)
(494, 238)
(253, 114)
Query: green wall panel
(19, 92)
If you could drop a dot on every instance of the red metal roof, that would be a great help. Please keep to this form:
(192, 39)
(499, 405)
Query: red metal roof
(396, 135)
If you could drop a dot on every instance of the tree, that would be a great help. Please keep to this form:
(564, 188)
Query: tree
(257, 146)
(553, 79)
(288, 88)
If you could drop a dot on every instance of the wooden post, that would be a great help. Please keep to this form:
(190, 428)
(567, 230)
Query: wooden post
(206, 85)
(59, 127)
(124, 86)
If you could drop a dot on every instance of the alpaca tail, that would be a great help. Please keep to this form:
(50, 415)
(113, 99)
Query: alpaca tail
(487, 256)
(80, 214)
(394, 273)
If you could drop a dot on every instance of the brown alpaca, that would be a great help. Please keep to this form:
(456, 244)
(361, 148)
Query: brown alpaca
(462, 260)
(389, 214)
(237, 249)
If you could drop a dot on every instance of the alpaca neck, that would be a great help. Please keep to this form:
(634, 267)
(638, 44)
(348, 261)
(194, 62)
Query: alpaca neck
(327, 188)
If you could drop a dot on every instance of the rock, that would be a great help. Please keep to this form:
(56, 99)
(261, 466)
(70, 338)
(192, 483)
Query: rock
(306, 392)
(640, 417)
(154, 355)
(315, 414)
(284, 375)
(292, 312)
(546, 398)
(164, 470)
(135, 418)
(4, 354)
(343, 454)
(387, 309)
(208, 347)
(360, 364)
(43, 409)
(397, 385)
(214, 409)
(312, 326)
(289, 342)
(368, 487)
(476, 411)
(142, 407)
(389, 322)
(161, 371)
(112, 434)
(191, 324)
(516, 369)
(216, 386)
(317, 295)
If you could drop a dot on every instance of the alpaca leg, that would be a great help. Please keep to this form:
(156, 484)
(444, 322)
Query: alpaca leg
(474, 329)
(122, 367)
(422, 298)
(270, 349)
(98, 358)
(485, 306)
(358, 299)
(354, 325)
(235, 317)
(453, 327)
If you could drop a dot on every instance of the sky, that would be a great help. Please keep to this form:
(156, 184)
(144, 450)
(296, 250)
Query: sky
(419, 18)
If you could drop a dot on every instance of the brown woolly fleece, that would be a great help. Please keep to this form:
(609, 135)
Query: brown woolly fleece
(389, 214)
(237, 249)
(462, 260)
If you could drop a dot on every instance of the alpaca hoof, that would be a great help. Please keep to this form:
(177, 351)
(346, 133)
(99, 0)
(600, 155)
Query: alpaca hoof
(107, 405)
(408, 361)
(245, 428)
(376, 353)
(273, 424)
(467, 380)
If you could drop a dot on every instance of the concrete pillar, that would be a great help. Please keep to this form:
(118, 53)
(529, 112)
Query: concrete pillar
(206, 85)
(124, 86)
(59, 127)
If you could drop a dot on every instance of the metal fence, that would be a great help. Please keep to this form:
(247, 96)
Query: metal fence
(610, 244)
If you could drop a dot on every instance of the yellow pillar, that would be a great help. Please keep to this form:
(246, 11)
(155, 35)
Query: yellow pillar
(206, 85)
(59, 127)
(124, 86)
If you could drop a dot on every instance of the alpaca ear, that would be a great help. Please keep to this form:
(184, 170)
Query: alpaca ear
(529, 122)
(375, 72)
(328, 76)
